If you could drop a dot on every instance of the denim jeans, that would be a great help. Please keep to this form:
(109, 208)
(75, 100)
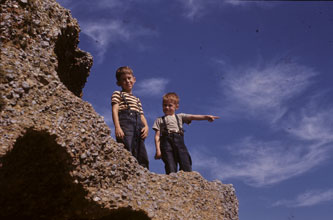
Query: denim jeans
(174, 152)
(131, 124)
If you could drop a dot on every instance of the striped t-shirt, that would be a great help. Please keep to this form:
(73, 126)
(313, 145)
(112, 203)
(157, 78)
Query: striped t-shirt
(133, 102)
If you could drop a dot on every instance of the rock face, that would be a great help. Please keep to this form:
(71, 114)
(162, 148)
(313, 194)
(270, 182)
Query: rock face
(57, 158)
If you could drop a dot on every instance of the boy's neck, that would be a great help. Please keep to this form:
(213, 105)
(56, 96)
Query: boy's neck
(130, 92)
(170, 115)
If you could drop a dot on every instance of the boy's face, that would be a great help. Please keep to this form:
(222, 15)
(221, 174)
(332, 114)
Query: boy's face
(169, 107)
(126, 82)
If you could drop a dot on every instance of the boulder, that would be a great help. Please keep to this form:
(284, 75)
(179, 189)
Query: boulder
(57, 158)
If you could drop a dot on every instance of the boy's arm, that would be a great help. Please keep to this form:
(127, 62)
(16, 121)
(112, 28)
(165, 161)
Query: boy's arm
(144, 130)
(118, 131)
(209, 118)
(158, 154)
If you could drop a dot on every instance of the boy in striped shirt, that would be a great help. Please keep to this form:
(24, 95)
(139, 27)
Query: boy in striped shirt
(130, 124)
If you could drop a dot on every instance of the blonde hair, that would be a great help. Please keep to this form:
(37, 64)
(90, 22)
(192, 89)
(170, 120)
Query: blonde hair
(123, 70)
(172, 97)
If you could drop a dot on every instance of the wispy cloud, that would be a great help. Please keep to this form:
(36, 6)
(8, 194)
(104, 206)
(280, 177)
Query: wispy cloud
(247, 3)
(151, 87)
(311, 123)
(260, 163)
(110, 30)
(266, 90)
(100, 4)
(309, 198)
(106, 32)
(196, 9)
(111, 3)
(193, 8)
(307, 144)
(267, 93)
(241, 2)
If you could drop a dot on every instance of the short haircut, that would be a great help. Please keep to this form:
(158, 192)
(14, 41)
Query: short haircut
(123, 70)
(172, 97)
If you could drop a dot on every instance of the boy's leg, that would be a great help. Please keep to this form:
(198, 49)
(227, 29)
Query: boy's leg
(142, 156)
(138, 145)
(126, 124)
(185, 161)
(127, 140)
(131, 125)
(170, 163)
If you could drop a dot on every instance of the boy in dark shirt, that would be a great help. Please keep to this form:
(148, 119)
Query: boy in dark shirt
(169, 136)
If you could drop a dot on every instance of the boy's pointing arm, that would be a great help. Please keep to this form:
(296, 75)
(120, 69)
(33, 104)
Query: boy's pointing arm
(209, 118)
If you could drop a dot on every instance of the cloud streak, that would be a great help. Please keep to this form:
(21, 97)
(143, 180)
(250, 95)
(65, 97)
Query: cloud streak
(309, 198)
(100, 4)
(193, 8)
(107, 32)
(151, 87)
(110, 30)
(266, 90)
(259, 163)
(307, 144)
(311, 124)
(266, 93)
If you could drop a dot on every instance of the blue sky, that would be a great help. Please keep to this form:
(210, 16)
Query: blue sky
(264, 67)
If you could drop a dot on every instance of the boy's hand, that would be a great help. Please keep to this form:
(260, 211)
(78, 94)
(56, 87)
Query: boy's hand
(144, 132)
(158, 155)
(119, 133)
(211, 118)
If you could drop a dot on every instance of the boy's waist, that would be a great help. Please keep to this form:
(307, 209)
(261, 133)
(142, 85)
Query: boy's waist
(170, 133)
(129, 111)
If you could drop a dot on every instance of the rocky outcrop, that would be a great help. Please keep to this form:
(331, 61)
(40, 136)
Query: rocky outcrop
(57, 158)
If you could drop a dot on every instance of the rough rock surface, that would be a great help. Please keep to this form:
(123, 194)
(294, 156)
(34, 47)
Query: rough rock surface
(57, 158)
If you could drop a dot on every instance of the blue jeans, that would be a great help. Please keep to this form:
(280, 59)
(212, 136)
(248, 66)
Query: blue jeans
(131, 124)
(174, 152)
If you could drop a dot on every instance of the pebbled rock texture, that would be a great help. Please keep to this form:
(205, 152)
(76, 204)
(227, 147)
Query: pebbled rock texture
(57, 158)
